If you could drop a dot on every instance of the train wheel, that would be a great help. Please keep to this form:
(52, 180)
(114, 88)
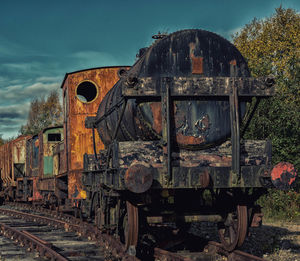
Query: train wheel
(131, 226)
(233, 231)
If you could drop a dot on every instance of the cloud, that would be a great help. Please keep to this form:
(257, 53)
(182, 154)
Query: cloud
(227, 34)
(23, 67)
(14, 111)
(18, 93)
(40, 88)
(11, 118)
(90, 59)
(49, 79)
(3, 79)
(15, 103)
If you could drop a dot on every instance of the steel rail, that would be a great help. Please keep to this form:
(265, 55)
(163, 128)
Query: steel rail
(33, 242)
(44, 220)
(235, 255)
(211, 249)
(83, 229)
(114, 245)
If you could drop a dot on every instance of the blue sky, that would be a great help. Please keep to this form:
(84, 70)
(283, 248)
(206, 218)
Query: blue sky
(42, 40)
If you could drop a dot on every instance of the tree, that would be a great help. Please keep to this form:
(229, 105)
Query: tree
(272, 46)
(43, 113)
(2, 141)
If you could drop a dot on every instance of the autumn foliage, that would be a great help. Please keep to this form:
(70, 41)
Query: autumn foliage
(1, 140)
(43, 113)
(272, 46)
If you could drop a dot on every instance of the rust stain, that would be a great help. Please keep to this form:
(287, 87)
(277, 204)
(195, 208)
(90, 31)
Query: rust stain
(10, 153)
(233, 62)
(157, 120)
(203, 124)
(75, 187)
(138, 178)
(284, 173)
(257, 219)
(197, 61)
(36, 192)
(204, 179)
(78, 139)
(188, 140)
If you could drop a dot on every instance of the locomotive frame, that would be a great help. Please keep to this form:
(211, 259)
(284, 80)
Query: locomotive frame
(133, 182)
(138, 177)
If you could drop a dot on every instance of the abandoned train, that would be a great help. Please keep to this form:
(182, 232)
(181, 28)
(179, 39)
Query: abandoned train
(169, 146)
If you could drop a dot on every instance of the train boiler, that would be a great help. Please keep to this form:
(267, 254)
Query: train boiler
(174, 152)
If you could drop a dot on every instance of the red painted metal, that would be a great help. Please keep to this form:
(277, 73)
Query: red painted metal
(283, 175)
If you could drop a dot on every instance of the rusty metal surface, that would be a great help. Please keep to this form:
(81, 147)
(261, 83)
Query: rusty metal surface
(197, 61)
(257, 220)
(46, 184)
(138, 178)
(233, 231)
(132, 227)
(46, 150)
(32, 156)
(252, 153)
(78, 139)
(283, 175)
(13, 160)
(19, 156)
(183, 54)
(6, 167)
(59, 162)
(185, 218)
(236, 255)
(202, 86)
(201, 168)
(75, 186)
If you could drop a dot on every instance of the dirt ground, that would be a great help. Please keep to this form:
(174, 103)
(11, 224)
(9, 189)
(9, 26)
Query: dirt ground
(275, 241)
(272, 241)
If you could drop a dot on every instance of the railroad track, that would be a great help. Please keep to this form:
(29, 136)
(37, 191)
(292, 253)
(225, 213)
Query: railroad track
(50, 226)
(9, 250)
(51, 241)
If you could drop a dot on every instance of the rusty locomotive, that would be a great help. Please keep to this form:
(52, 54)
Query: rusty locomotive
(169, 148)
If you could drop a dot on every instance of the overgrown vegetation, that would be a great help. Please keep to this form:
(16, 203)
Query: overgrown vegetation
(43, 113)
(281, 205)
(2, 141)
(272, 46)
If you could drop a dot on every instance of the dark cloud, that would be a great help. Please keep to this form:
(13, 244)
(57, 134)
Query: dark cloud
(10, 126)
(11, 114)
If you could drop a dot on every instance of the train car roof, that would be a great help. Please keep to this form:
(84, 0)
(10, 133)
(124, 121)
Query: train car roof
(52, 127)
(17, 139)
(94, 68)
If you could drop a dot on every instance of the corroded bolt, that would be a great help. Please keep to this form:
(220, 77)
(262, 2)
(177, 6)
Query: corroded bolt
(131, 81)
(269, 81)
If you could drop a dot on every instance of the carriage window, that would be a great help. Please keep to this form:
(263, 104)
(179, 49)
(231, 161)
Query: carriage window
(86, 91)
(54, 137)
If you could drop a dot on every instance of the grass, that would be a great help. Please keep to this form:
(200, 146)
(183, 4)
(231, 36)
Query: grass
(280, 205)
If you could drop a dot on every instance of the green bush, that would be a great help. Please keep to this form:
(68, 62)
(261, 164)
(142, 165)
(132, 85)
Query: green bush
(281, 205)
(271, 46)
